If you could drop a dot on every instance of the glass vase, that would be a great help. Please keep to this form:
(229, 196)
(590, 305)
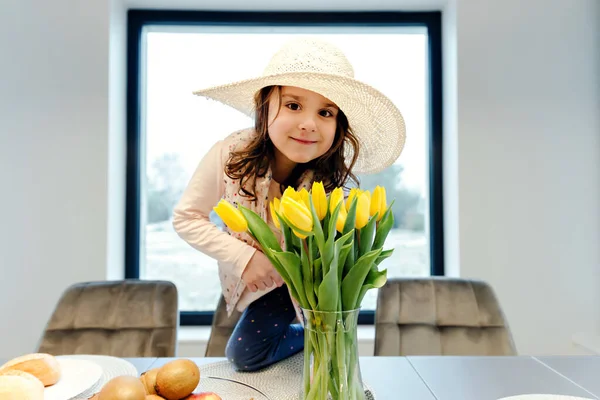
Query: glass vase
(331, 363)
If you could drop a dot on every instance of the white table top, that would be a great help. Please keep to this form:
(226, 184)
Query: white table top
(462, 378)
(471, 378)
(583, 371)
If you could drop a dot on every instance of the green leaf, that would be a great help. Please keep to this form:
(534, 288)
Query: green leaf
(349, 224)
(349, 263)
(346, 249)
(326, 220)
(291, 263)
(287, 234)
(375, 279)
(318, 275)
(314, 251)
(260, 230)
(317, 229)
(351, 218)
(384, 254)
(332, 222)
(307, 278)
(339, 245)
(385, 225)
(297, 243)
(325, 225)
(327, 254)
(354, 280)
(329, 290)
(270, 254)
(269, 244)
(366, 236)
(342, 240)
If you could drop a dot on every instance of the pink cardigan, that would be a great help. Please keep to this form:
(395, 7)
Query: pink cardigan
(232, 250)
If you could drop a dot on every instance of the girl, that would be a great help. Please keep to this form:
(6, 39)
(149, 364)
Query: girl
(313, 122)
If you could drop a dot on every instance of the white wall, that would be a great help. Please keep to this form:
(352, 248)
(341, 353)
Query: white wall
(53, 158)
(529, 162)
(522, 161)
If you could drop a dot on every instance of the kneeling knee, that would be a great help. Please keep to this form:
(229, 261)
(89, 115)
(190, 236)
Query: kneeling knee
(238, 356)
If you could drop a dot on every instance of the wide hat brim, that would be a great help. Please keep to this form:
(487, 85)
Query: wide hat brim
(374, 119)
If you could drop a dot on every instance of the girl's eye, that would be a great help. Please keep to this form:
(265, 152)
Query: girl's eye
(293, 106)
(326, 113)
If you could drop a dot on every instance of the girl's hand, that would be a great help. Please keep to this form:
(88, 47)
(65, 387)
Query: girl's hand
(260, 273)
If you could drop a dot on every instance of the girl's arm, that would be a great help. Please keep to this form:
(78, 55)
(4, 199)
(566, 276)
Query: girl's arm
(190, 216)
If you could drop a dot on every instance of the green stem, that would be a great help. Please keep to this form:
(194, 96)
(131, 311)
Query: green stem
(320, 370)
(325, 366)
(351, 366)
(340, 361)
(308, 349)
(316, 351)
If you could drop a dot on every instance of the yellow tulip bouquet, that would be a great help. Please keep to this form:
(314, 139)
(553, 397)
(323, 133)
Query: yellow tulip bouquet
(332, 251)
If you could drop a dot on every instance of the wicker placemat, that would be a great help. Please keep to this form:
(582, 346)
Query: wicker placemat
(280, 381)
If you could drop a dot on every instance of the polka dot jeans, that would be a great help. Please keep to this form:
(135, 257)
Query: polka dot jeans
(265, 333)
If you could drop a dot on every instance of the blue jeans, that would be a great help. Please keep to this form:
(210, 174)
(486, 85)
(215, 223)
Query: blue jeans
(265, 333)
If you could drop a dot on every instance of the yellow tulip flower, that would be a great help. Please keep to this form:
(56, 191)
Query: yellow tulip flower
(274, 207)
(362, 211)
(378, 202)
(297, 214)
(232, 217)
(341, 220)
(319, 199)
(291, 192)
(304, 195)
(353, 193)
(335, 198)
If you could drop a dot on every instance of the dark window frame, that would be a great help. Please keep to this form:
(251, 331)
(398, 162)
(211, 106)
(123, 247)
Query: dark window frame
(137, 19)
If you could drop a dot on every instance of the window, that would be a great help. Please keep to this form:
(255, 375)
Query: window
(169, 129)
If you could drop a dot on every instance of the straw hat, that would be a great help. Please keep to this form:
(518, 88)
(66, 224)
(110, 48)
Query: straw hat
(319, 66)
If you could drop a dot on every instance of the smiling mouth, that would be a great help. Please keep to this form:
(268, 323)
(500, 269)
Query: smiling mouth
(303, 141)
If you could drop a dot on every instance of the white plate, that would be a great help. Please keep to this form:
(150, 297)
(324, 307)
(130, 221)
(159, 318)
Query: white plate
(111, 367)
(543, 397)
(76, 377)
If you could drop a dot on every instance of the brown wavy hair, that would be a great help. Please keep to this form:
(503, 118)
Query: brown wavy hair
(253, 161)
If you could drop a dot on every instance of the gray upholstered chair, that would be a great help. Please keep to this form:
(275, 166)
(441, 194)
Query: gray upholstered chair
(221, 330)
(129, 318)
(440, 316)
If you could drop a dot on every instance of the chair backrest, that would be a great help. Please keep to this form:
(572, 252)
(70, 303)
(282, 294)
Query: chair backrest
(221, 330)
(440, 316)
(128, 318)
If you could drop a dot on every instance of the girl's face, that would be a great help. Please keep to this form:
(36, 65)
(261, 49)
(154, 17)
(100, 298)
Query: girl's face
(302, 127)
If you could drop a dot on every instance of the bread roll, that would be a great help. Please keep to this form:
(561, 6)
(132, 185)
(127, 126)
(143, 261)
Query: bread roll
(43, 366)
(19, 385)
